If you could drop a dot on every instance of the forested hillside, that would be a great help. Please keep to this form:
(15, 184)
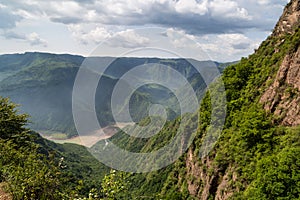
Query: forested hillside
(34, 168)
(258, 154)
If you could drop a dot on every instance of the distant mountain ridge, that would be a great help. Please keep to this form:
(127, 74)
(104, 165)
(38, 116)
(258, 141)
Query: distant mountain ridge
(42, 83)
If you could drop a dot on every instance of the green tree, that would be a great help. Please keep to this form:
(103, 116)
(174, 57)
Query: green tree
(277, 176)
(28, 174)
(115, 185)
(11, 123)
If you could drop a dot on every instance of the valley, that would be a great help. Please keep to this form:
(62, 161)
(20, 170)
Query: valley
(87, 140)
(43, 83)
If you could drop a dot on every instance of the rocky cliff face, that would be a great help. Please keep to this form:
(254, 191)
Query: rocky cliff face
(206, 180)
(289, 20)
(282, 97)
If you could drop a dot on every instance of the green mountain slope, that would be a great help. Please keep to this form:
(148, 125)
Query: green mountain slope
(34, 168)
(258, 153)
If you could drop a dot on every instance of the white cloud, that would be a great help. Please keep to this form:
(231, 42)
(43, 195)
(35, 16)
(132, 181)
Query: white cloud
(91, 15)
(35, 39)
(99, 34)
(86, 35)
(2, 6)
(263, 2)
(228, 45)
(128, 39)
(189, 15)
(233, 38)
(188, 6)
(180, 39)
(228, 9)
(64, 9)
(221, 24)
(69, 8)
(26, 14)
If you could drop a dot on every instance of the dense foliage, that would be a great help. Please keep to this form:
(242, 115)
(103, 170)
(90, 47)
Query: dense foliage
(260, 157)
(29, 175)
(34, 168)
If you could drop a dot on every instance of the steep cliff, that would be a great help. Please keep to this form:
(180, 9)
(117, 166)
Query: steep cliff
(257, 156)
(282, 96)
(258, 153)
(289, 19)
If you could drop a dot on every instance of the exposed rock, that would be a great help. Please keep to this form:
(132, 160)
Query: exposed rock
(282, 97)
(198, 178)
(4, 195)
(204, 179)
(289, 20)
(225, 189)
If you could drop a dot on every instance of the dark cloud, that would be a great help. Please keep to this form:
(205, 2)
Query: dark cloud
(8, 20)
(85, 1)
(66, 20)
(215, 20)
(205, 24)
(195, 17)
(168, 13)
(241, 46)
(13, 35)
(33, 39)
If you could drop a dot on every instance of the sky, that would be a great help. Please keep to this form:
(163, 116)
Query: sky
(220, 30)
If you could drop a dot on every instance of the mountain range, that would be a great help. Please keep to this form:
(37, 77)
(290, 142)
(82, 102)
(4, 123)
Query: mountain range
(43, 83)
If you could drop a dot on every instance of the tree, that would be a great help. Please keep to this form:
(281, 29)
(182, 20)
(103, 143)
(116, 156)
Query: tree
(11, 123)
(115, 185)
(28, 174)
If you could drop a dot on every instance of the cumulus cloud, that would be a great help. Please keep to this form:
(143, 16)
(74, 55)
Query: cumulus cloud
(128, 39)
(188, 6)
(233, 39)
(228, 45)
(193, 16)
(223, 22)
(85, 35)
(66, 12)
(179, 38)
(33, 38)
(228, 9)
